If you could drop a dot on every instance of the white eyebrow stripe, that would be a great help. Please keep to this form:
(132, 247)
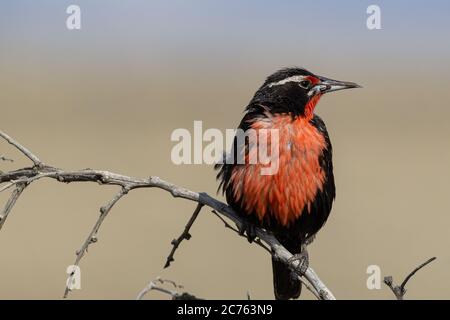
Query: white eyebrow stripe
(286, 80)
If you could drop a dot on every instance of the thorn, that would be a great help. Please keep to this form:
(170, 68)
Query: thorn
(169, 260)
(388, 280)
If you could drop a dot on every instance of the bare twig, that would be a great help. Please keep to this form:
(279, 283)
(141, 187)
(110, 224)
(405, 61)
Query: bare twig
(173, 283)
(153, 285)
(11, 202)
(26, 176)
(3, 158)
(229, 226)
(22, 149)
(7, 186)
(399, 291)
(184, 236)
(92, 237)
(415, 270)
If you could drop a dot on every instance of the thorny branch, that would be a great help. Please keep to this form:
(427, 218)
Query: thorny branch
(21, 178)
(92, 237)
(399, 291)
(184, 236)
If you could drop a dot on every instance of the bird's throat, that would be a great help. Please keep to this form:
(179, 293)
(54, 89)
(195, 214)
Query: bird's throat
(310, 106)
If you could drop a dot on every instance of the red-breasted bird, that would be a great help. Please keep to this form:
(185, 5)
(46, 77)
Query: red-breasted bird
(295, 201)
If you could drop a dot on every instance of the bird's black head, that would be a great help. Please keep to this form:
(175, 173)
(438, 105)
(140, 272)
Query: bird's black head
(295, 91)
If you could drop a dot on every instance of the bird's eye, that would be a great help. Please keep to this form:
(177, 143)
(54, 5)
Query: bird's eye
(305, 84)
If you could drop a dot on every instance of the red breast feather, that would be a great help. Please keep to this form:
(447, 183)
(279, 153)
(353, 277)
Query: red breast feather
(285, 194)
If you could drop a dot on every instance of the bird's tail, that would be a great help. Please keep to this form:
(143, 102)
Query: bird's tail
(286, 284)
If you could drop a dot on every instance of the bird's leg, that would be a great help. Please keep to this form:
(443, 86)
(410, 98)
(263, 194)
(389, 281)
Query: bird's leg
(303, 260)
(310, 240)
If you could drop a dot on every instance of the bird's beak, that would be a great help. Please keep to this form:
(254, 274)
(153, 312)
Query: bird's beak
(329, 85)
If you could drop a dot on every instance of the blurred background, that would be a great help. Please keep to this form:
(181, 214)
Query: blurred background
(108, 96)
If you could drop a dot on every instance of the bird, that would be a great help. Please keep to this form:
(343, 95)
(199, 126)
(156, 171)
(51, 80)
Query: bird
(295, 201)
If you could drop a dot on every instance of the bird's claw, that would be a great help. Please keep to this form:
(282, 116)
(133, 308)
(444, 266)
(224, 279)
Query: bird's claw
(303, 261)
(248, 229)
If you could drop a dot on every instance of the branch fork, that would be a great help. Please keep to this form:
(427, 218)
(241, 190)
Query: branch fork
(400, 290)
